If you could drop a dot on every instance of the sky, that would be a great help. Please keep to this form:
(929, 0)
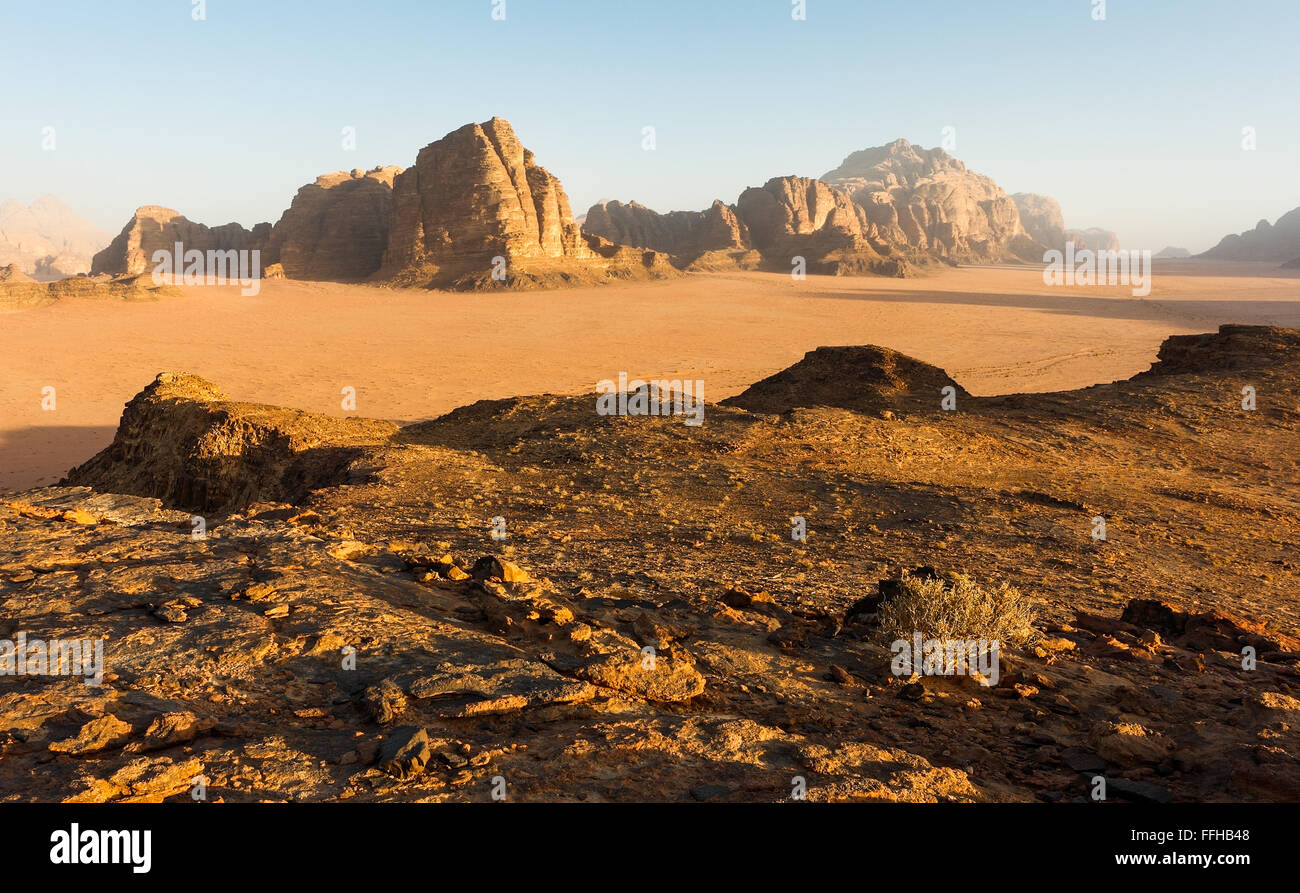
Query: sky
(1134, 123)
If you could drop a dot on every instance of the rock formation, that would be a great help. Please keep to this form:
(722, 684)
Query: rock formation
(787, 218)
(1041, 217)
(182, 440)
(1266, 242)
(153, 228)
(1171, 252)
(792, 217)
(925, 200)
(47, 240)
(687, 236)
(880, 210)
(865, 379)
(337, 228)
(476, 202)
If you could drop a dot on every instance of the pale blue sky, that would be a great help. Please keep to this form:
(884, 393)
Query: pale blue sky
(1133, 123)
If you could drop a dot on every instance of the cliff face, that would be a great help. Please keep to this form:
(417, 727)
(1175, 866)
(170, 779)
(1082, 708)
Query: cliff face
(152, 228)
(1041, 217)
(769, 226)
(474, 195)
(336, 228)
(685, 235)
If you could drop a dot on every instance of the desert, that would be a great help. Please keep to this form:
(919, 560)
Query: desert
(740, 423)
(536, 547)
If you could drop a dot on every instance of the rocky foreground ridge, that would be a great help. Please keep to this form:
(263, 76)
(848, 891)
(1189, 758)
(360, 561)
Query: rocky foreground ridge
(349, 627)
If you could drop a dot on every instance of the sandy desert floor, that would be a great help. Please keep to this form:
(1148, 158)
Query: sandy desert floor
(413, 354)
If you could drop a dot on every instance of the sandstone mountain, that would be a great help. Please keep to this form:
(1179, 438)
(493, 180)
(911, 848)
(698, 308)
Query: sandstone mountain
(879, 211)
(1266, 242)
(154, 228)
(926, 200)
(336, 228)
(477, 195)
(1171, 252)
(47, 240)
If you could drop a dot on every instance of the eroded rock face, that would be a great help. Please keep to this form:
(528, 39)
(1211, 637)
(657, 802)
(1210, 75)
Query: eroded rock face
(1041, 217)
(474, 195)
(180, 440)
(1232, 347)
(153, 228)
(685, 235)
(1278, 241)
(926, 200)
(771, 226)
(337, 228)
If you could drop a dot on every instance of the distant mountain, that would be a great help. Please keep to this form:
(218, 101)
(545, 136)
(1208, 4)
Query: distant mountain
(47, 240)
(881, 210)
(1172, 253)
(1042, 219)
(926, 200)
(1266, 242)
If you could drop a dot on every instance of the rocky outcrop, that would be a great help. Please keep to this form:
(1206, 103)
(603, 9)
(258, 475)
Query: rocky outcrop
(769, 227)
(1172, 252)
(793, 217)
(925, 200)
(1266, 242)
(1094, 239)
(1231, 348)
(684, 235)
(182, 441)
(337, 228)
(864, 379)
(153, 228)
(10, 273)
(47, 240)
(475, 195)
(21, 292)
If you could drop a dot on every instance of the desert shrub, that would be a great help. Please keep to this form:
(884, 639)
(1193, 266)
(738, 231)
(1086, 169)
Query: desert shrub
(957, 608)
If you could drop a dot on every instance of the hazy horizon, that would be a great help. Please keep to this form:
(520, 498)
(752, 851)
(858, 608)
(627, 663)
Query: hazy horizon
(1134, 124)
